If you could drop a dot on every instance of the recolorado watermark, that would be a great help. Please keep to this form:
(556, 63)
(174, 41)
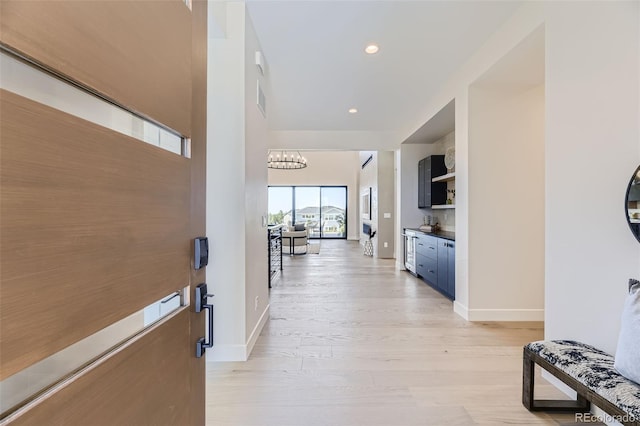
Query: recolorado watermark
(605, 418)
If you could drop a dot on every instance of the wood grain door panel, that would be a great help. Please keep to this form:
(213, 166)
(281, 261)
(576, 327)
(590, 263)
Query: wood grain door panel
(95, 226)
(137, 53)
(143, 383)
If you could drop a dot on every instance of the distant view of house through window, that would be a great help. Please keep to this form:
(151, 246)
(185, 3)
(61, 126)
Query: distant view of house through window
(323, 209)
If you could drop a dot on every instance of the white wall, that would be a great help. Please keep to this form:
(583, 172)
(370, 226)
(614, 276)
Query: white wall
(255, 193)
(506, 203)
(379, 175)
(333, 139)
(524, 22)
(226, 181)
(385, 204)
(328, 168)
(592, 149)
(236, 187)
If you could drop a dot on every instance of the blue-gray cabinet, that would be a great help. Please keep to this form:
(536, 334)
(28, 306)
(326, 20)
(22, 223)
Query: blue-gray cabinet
(447, 267)
(436, 263)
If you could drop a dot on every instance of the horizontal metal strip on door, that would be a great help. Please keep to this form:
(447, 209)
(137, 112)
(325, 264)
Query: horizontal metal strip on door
(23, 386)
(94, 228)
(33, 83)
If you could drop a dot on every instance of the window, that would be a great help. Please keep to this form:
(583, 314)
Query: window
(323, 209)
(280, 205)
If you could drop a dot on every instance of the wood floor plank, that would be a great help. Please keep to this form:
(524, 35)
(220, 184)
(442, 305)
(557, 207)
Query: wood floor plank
(352, 341)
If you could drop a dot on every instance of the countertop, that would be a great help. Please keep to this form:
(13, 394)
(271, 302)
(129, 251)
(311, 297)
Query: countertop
(447, 235)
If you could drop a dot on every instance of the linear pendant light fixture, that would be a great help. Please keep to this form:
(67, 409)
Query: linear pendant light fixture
(285, 160)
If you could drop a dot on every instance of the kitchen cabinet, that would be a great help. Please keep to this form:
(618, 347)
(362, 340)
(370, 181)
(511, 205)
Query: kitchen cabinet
(447, 267)
(427, 258)
(436, 263)
(430, 192)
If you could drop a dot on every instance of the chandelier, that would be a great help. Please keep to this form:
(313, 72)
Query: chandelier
(286, 160)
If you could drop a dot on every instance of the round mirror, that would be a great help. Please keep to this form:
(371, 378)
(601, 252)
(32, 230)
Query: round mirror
(632, 203)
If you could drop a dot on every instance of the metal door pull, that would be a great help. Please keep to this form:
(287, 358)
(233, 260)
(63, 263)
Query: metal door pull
(201, 303)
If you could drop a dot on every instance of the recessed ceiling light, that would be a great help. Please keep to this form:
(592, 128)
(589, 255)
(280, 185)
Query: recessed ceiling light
(353, 110)
(372, 49)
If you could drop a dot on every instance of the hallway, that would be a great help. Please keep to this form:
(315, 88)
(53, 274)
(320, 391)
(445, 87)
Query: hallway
(352, 341)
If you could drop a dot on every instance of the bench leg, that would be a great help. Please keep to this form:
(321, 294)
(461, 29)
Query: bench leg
(580, 405)
(528, 376)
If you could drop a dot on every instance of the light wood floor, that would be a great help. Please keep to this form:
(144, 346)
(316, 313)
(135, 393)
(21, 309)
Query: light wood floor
(352, 341)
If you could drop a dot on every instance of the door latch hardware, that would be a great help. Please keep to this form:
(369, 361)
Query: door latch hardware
(200, 305)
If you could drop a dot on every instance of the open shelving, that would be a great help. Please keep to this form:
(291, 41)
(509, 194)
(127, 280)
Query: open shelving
(445, 178)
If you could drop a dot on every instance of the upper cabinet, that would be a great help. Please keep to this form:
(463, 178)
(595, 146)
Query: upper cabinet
(429, 192)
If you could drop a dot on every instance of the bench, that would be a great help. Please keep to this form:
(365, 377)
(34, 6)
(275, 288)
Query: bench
(588, 371)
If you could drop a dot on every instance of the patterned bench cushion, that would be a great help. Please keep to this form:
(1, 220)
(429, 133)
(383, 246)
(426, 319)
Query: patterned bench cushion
(594, 369)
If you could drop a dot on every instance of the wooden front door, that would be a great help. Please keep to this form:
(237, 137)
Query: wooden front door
(97, 225)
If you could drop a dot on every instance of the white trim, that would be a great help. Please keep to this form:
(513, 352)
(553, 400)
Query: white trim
(227, 353)
(505, 314)
(461, 310)
(498, 314)
(224, 353)
(253, 338)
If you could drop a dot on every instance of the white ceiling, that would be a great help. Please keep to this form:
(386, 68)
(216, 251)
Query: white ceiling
(318, 69)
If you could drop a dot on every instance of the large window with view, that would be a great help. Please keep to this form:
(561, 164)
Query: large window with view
(322, 209)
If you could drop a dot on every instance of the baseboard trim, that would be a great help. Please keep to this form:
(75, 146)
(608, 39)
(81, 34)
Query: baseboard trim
(229, 353)
(223, 353)
(461, 310)
(505, 314)
(253, 338)
(497, 314)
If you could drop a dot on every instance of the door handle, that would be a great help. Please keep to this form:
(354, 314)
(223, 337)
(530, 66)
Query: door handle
(200, 305)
